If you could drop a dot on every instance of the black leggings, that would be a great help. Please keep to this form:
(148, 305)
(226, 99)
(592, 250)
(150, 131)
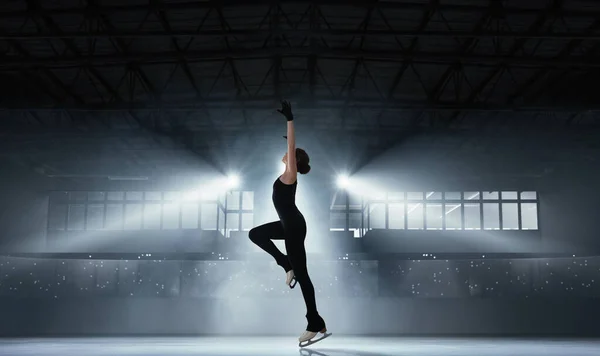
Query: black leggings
(294, 236)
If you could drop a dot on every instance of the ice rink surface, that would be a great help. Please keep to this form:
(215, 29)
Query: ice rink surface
(286, 346)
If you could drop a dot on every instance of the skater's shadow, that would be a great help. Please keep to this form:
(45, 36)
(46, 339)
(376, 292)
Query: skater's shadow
(341, 352)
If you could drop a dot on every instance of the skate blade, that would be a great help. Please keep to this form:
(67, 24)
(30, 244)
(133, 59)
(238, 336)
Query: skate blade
(293, 283)
(314, 341)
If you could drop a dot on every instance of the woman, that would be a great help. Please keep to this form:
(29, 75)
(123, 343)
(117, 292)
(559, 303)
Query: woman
(291, 227)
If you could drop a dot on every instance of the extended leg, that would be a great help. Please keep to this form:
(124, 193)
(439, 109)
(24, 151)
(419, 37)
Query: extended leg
(262, 236)
(294, 245)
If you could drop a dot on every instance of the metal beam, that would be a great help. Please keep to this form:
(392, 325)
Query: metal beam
(311, 60)
(192, 5)
(49, 22)
(122, 47)
(425, 18)
(31, 136)
(270, 101)
(564, 53)
(48, 73)
(262, 33)
(438, 89)
(180, 56)
(393, 56)
(274, 25)
(517, 46)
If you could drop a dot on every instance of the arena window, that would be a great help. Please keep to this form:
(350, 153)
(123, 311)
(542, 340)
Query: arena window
(472, 210)
(136, 210)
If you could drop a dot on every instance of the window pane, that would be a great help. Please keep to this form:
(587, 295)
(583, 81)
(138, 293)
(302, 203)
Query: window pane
(76, 213)
(528, 195)
(472, 217)
(114, 217)
(375, 195)
(378, 216)
(510, 216)
(233, 200)
(396, 196)
(355, 220)
(189, 216)
(233, 222)
(134, 196)
(57, 217)
(190, 195)
(434, 216)
(133, 216)
(452, 196)
(355, 200)
(153, 195)
(415, 195)
(209, 216)
(79, 196)
(152, 216)
(490, 195)
(248, 201)
(210, 195)
(247, 221)
(491, 216)
(509, 195)
(221, 221)
(415, 216)
(366, 226)
(471, 196)
(170, 216)
(96, 196)
(453, 217)
(57, 197)
(529, 216)
(172, 196)
(396, 217)
(339, 200)
(115, 196)
(95, 217)
(434, 196)
(337, 221)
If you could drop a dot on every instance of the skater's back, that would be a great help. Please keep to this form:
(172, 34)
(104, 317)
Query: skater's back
(284, 199)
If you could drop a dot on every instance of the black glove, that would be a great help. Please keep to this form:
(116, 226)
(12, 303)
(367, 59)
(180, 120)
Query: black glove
(286, 110)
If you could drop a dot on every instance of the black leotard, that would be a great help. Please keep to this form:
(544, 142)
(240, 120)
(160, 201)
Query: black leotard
(284, 200)
(291, 227)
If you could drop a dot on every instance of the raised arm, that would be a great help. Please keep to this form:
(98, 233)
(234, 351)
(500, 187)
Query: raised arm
(291, 141)
(286, 110)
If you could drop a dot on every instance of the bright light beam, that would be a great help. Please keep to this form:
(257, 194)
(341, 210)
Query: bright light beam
(233, 181)
(343, 181)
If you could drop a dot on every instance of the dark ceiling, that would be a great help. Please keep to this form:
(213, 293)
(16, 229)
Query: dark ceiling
(174, 67)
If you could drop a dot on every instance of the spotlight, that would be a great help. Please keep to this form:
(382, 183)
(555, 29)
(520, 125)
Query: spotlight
(233, 181)
(343, 181)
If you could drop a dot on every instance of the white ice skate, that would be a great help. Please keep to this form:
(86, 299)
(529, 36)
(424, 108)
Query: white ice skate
(291, 278)
(306, 339)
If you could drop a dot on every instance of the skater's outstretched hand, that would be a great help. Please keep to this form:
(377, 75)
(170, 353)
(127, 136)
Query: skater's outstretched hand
(286, 110)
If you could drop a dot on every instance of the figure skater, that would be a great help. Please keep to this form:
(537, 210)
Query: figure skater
(291, 227)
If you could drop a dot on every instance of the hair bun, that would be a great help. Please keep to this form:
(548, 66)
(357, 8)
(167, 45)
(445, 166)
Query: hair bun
(303, 167)
(306, 168)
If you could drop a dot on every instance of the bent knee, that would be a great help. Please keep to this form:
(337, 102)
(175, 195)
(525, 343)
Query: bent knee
(253, 235)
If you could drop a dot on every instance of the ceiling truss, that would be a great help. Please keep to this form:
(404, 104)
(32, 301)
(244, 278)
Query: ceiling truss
(487, 68)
